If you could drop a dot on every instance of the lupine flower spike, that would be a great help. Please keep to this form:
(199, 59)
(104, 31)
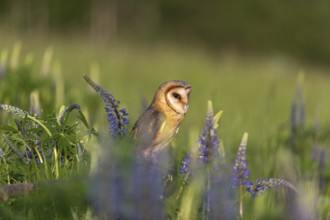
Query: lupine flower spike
(13, 110)
(241, 175)
(116, 117)
(240, 169)
(268, 183)
(208, 141)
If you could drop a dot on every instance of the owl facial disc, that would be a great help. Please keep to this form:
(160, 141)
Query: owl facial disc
(177, 98)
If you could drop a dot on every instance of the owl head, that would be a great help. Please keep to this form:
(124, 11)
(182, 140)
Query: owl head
(173, 96)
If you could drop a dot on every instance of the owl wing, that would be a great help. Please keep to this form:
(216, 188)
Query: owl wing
(147, 128)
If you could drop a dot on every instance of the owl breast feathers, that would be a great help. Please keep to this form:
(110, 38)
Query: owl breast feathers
(161, 120)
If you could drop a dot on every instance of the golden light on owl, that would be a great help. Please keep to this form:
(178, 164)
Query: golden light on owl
(158, 124)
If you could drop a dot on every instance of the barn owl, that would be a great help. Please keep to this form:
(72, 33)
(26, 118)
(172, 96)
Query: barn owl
(161, 120)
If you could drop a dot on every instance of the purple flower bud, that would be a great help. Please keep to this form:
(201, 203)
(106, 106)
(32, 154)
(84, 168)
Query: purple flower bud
(123, 111)
(184, 168)
(240, 168)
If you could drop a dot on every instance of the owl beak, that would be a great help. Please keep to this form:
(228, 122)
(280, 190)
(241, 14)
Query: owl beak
(185, 108)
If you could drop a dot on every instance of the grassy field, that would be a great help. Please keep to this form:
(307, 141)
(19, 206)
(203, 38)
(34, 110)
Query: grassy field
(256, 94)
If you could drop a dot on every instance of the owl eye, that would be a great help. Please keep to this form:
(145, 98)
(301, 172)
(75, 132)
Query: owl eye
(177, 96)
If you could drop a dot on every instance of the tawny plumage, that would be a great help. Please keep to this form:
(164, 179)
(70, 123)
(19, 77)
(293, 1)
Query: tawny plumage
(161, 120)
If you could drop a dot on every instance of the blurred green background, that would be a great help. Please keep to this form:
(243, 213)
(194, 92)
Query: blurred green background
(298, 29)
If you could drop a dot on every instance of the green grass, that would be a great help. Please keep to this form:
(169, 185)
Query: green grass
(255, 94)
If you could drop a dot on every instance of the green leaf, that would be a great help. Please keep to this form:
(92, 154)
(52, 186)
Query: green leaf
(83, 119)
(9, 128)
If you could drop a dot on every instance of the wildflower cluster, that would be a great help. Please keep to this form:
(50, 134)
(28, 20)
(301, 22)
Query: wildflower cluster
(13, 110)
(131, 191)
(240, 168)
(241, 174)
(208, 141)
(116, 117)
(44, 140)
(266, 184)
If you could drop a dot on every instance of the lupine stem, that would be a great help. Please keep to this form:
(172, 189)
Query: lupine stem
(241, 200)
(208, 200)
(184, 182)
(56, 163)
(39, 155)
(41, 124)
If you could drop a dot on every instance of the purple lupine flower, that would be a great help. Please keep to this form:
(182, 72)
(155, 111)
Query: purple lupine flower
(116, 117)
(267, 183)
(209, 143)
(240, 168)
(130, 190)
(185, 164)
(29, 154)
(117, 120)
(123, 112)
